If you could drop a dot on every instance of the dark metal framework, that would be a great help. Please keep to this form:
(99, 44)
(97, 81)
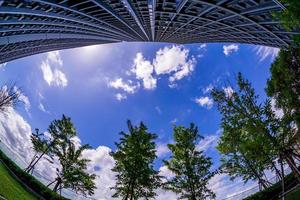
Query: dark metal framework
(29, 27)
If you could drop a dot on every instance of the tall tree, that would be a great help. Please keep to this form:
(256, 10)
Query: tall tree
(240, 157)
(253, 125)
(284, 83)
(135, 154)
(190, 166)
(9, 97)
(73, 173)
(60, 131)
(40, 145)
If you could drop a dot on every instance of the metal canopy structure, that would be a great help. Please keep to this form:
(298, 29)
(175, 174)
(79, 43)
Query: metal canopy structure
(29, 27)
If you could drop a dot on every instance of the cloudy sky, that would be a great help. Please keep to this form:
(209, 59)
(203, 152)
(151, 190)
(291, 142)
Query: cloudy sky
(100, 87)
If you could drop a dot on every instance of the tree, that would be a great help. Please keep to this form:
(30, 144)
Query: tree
(284, 83)
(190, 166)
(250, 126)
(9, 97)
(40, 145)
(73, 169)
(60, 131)
(240, 157)
(135, 154)
(290, 16)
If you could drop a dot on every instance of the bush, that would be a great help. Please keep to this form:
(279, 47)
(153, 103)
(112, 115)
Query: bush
(30, 181)
(273, 192)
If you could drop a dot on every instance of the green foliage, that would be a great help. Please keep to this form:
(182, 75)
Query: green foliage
(61, 131)
(29, 180)
(248, 126)
(135, 154)
(284, 84)
(73, 174)
(190, 166)
(41, 148)
(39, 143)
(244, 131)
(290, 17)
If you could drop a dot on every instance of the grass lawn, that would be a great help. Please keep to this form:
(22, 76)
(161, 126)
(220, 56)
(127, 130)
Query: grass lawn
(295, 195)
(12, 189)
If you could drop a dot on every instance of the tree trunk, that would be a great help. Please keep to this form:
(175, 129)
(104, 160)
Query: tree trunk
(293, 166)
(260, 180)
(282, 180)
(132, 191)
(57, 184)
(32, 160)
(37, 160)
(51, 183)
(277, 171)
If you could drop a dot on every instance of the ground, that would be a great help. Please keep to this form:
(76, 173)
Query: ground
(10, 188)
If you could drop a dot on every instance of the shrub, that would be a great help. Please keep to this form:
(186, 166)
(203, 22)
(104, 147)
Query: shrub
(275, 190)
(30, 181)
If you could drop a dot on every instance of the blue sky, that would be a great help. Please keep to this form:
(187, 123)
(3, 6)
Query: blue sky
(100, 87)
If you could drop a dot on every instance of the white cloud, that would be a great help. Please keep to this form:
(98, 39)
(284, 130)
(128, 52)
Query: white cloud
(277, 111)
(55, 58)
(264, 52)
(228, 49)
(202, 46)
(120, 96)
(173, 121)
(15, 134)
(165, 195)
(208, 89)
(162, 150)
(51, 74)
(26, 102)
(207, 143)
(157, 108)
(204, 102)
(41, 107)
(201, 49)
(23, 99)
(60, 78)
(101, 164)
(47, 72)
(174, 61)
(128, 87)
(185, 70)
(165, 172)
(224, 187)
(2, 65)
(228, 91)
(143, 70)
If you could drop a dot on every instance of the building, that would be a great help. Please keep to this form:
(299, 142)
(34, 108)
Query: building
(29, 27)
